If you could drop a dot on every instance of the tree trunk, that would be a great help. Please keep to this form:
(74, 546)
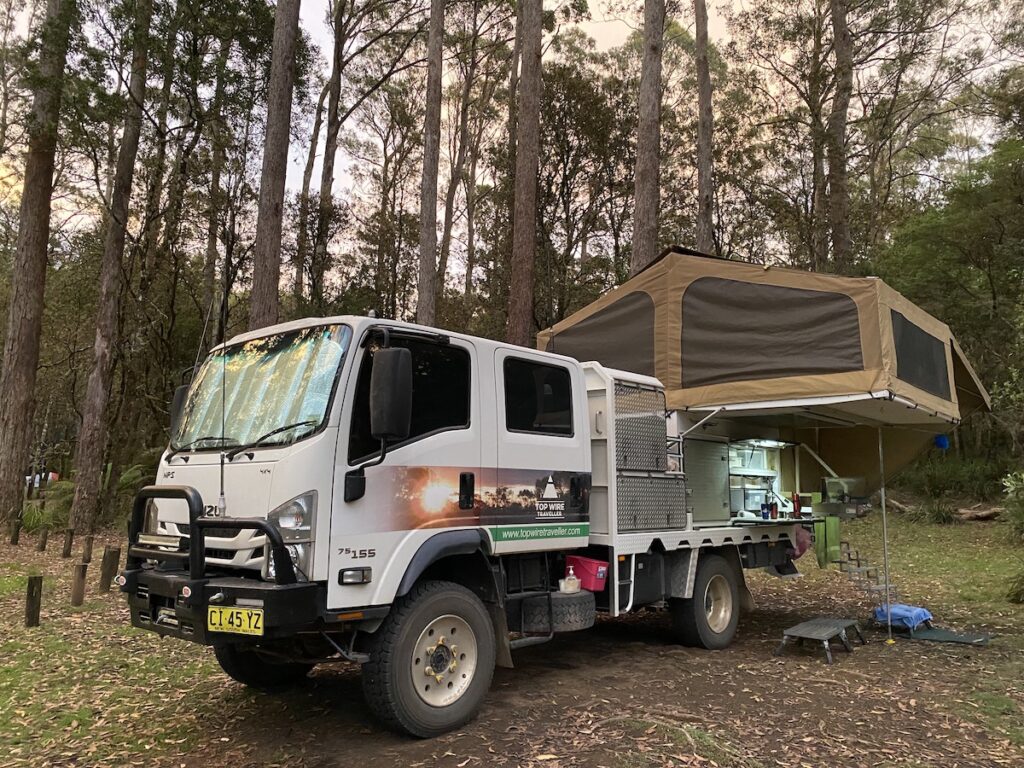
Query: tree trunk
(266, 271)
(459, 167)
(154, 194)
(217, 157)
(705, 133)
(838, 188)
(25, 310)
(513, 85)
(92, 438)
(524, 219)
(815, 99)
(470, 183)
(426, 289)
(325, 211)
(648, 140)
(302, 237)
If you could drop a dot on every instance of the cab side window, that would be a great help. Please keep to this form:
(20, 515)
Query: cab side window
(440, 395)
(538, 398)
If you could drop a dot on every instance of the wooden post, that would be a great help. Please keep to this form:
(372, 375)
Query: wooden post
(15, 531)
(69, 540)
(108, 566)
(87, 549)
(78, 584)
(33, 601)
(44, 534)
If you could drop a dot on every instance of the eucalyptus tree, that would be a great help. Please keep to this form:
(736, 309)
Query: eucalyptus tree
(25, 310)
(520, 323)
(92, 438)
(266, 273)
(373, 42)
(426, 297)
(479, 52)
(705, 239)
(648, 140)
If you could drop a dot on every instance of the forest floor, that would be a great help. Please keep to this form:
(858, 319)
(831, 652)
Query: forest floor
(86, 689)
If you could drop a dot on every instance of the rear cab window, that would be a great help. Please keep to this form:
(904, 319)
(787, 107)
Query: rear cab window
(538, 398)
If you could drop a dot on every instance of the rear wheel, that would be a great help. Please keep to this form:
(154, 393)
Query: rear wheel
(246, 665)
(709, 618)
(431, 661)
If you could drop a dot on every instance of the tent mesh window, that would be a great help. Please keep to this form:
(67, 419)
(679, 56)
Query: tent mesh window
(620, 336)
(920, 357)
(803, 332)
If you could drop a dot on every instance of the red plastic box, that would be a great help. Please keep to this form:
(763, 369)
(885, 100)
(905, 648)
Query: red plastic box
(591, 573)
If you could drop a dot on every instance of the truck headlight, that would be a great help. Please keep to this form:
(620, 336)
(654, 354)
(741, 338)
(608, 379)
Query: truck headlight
(295, 520)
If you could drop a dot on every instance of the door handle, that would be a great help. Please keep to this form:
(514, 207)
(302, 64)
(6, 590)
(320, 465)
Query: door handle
(467, 490)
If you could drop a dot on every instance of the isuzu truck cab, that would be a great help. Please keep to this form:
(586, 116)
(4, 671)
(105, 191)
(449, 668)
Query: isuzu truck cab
(409, 499)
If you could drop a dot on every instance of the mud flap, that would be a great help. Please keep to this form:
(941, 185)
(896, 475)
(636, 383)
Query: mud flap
(746, 599)
(503, 644)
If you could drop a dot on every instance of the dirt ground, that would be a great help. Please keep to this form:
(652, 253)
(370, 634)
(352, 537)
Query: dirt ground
(621, 694)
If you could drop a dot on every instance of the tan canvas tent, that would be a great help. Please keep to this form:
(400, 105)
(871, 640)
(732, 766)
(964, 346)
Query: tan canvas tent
(822, 359)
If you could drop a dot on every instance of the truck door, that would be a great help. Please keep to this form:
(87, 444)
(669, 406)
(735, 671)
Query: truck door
(537, 494)
(427, 483)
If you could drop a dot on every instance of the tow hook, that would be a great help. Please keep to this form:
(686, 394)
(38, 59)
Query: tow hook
(217, 598)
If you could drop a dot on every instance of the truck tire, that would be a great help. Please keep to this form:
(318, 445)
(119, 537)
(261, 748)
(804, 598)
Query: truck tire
(244, 664)
(709, 618)
(431, 661)
(570, 612)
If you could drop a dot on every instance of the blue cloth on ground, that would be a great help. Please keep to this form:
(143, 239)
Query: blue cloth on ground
(909, 616)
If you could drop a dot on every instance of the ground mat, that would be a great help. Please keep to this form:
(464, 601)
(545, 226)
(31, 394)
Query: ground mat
(940, 635)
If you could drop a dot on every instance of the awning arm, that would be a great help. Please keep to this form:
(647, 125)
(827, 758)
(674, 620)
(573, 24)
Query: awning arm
(818, 459)
(702, 421)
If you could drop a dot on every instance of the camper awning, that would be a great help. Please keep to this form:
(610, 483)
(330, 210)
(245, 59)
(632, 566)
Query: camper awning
(767, 341)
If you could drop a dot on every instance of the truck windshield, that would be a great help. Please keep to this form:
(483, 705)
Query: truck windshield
(263, 385)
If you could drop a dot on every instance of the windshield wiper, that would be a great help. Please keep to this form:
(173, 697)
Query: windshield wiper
(175, 451)
(259, 441)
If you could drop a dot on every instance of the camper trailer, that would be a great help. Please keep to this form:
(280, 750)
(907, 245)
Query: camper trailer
(423, 502)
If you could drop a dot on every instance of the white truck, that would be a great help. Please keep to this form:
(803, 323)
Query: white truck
(355, 489)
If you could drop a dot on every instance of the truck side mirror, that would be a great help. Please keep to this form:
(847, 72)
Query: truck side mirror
(391, 393)
(178, 406)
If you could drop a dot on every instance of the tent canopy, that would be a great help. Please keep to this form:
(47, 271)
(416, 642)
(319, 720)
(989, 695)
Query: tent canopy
(776, 342)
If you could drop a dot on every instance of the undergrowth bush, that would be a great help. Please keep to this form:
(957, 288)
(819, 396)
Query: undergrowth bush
(55, 512)
(1015, 594)
(1013, 484)
(939, 475)
(937, 511)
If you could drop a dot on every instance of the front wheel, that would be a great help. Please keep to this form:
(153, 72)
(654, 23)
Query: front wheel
(709, 618)
(431, 661)
(246, 665)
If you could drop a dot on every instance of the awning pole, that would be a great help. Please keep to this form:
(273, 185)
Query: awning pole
(885, 538)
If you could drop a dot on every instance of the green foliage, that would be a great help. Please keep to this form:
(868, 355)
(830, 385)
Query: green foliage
(961, 260)
(1013, 484)
(939, 476)
(56, 510)
(939, 512)
(1015, 594)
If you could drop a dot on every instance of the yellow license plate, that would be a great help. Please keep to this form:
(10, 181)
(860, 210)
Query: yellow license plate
(241, 621)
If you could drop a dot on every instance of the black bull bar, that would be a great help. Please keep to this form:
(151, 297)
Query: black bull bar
(191, 550)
